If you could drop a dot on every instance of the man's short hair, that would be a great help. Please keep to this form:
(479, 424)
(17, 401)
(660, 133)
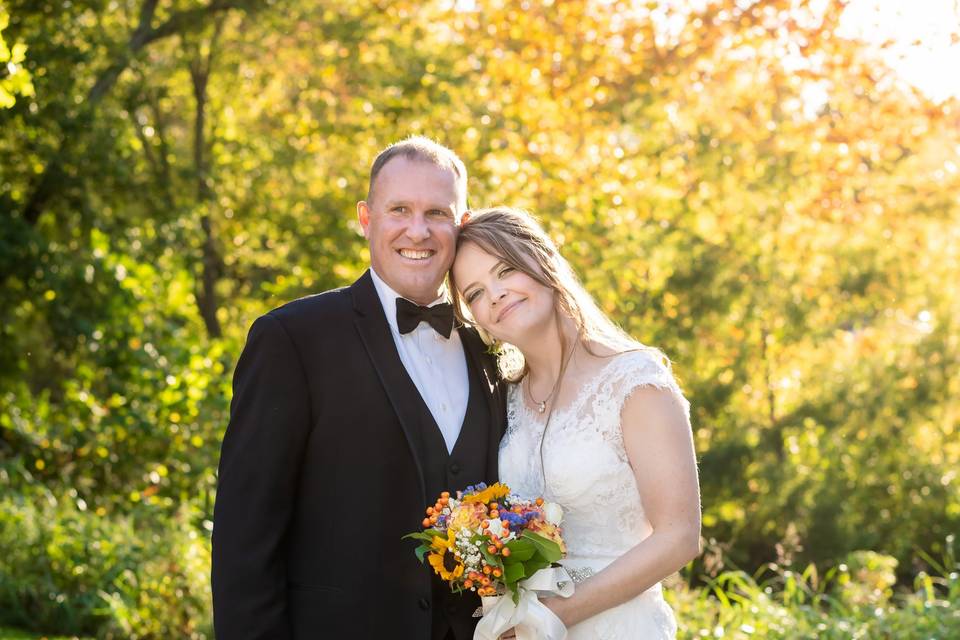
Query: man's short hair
(424, 150)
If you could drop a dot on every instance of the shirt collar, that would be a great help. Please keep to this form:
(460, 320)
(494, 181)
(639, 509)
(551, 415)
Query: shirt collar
(388, 299)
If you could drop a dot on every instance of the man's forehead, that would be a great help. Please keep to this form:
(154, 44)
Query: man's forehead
(418, 182)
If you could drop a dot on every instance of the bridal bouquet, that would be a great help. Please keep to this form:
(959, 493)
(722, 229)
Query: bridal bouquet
(503, 547)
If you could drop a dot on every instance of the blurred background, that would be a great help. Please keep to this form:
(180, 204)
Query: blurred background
(767, 190)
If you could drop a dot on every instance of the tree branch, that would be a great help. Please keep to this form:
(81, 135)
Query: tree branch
(179, 23)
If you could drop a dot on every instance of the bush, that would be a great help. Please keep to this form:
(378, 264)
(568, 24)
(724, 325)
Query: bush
(853, 600)
(68, 570)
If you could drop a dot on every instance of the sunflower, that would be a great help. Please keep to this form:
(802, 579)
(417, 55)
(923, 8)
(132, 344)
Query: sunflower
(442, 559)
(491, 493)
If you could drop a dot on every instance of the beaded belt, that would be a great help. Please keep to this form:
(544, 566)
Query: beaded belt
(578, 575)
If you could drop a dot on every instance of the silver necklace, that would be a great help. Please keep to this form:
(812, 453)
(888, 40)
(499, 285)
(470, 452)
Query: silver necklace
(541, 404)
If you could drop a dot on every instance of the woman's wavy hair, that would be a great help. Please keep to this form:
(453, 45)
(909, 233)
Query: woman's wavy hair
(515, 237)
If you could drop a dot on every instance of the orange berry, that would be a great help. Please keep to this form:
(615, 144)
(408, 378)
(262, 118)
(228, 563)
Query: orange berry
(498, 545)
(506, 552)
(487, 569)
(467, 584)
(491, 549)
(485, 524)
(493, 505)
(497, 573)
(429, 511)
(494, 514)
(485, 581)
(444, 501)
(426, 522)
(505, 523)
(445, 494)
(539, 502)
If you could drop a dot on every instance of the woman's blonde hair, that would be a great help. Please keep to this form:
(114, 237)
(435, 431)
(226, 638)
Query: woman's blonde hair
(515, 237)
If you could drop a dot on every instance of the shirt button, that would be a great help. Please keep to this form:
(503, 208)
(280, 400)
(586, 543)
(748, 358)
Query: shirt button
(424, 604)
(429, 360)
(455, 468)
(443, 407)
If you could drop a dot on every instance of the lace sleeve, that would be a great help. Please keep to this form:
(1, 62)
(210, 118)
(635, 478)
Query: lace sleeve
(643, 368)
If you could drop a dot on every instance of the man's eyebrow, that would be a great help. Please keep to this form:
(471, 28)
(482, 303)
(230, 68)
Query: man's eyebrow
(409, 203)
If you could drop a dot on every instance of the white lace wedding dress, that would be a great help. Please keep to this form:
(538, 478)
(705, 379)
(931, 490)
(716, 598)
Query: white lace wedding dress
(588, 474)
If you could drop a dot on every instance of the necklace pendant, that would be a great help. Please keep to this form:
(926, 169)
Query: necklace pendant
(542, 407)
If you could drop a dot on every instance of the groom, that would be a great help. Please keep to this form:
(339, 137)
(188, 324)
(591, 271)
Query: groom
(352, 410)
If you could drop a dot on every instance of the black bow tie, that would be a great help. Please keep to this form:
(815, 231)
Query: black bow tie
(439, 316)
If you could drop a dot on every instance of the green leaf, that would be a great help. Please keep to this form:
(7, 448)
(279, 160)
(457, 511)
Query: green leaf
(513, 573)
(521, 550)
(421, 551)
(549, 549)
(426, 536)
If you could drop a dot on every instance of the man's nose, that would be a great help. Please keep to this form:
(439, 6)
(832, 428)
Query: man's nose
(418, 229)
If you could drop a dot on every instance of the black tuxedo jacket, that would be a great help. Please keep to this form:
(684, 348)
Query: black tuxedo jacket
(319, 477)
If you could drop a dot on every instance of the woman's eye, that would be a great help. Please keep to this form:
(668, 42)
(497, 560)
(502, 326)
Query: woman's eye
(472, 296)
(505, 271)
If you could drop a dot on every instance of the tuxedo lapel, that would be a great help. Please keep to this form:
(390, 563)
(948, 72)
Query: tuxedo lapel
(375, 333)
(485, 366)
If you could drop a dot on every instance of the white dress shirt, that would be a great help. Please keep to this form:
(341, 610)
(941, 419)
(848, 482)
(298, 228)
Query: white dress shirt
(437, 365)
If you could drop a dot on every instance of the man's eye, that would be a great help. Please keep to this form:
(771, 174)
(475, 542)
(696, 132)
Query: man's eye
(399, 209)
(439, 213)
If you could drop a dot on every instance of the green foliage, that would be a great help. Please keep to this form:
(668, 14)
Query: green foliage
(842, 603)
(16, 80)
(529, 553)
(70, 569)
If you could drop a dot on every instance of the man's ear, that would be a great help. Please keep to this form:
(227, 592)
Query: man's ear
(465, 218)
(363, 216)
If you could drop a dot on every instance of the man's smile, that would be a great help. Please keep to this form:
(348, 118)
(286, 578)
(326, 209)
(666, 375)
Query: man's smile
(416, 254)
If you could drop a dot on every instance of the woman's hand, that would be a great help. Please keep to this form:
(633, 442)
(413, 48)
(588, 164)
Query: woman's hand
(559, 607)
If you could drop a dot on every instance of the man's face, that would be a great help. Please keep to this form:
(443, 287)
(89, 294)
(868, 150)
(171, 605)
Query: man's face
(411, 224)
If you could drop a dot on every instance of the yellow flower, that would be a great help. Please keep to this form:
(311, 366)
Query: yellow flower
(467, 516)
(491, 493)
(548, 531)
(444, 563)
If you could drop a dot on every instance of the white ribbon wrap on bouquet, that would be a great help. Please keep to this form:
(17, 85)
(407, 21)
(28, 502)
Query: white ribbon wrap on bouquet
(530, 619)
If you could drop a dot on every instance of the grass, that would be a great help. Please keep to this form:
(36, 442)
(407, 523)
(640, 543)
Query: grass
(13, 634)
(855, 601)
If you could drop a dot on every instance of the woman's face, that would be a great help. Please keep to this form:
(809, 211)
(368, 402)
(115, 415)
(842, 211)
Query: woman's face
(507, 303)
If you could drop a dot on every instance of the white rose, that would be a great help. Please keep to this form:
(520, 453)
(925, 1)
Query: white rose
(553, 513)
(496, 527)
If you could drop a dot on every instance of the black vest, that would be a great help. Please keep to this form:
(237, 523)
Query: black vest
(464, 466)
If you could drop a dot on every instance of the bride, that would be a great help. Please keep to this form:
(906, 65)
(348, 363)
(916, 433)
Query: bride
(596, 423)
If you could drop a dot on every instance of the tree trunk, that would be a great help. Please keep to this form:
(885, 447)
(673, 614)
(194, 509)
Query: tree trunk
(179, 23)
(210, 263)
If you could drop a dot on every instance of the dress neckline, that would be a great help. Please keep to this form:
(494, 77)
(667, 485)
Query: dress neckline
(588, 384)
